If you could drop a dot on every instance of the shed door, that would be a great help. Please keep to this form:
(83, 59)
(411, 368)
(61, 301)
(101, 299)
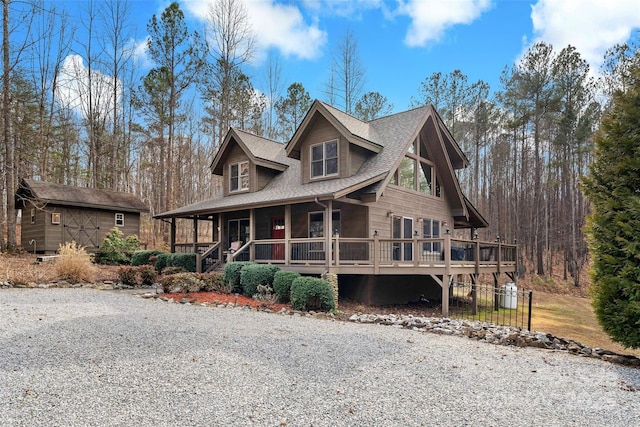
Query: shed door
(82, 227)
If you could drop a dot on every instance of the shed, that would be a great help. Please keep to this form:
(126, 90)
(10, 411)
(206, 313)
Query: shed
(54, 213)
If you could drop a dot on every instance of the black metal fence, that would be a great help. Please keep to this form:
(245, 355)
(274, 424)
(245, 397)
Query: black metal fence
(504, 305)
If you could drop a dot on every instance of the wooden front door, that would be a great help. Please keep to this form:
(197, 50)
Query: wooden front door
(277, 232)
(81, 226)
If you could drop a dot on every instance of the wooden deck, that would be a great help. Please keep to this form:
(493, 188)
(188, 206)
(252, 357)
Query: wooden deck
(372, 256)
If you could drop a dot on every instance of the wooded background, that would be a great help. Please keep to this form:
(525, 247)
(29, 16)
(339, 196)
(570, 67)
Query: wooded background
(106, 125)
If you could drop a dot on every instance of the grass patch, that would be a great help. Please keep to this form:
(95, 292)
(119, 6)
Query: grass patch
(573, 318)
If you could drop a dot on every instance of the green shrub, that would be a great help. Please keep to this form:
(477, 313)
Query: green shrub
(214, 282)
(282, 284)
(232, 275)
(181, 282)
(186, 261)
(310, 293)
(142, 257)
(161, 261)
(117, 249)
(255, 275)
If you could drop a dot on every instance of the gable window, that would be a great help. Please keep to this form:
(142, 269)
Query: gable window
(119, 220)
(239, 176)
(324, 159)
(417, 173)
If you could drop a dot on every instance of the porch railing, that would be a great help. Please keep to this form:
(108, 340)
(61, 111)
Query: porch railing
(191, 248)
(380, 253)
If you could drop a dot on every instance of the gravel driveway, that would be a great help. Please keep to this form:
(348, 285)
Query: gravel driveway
(80, 357)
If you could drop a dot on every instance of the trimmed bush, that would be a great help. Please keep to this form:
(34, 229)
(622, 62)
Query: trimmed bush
(117, 249)
(255, 275)
(161, 261)
(186, 261)
(128, 275)
(282, 284)
(142, 257)
(181, 282)
(148, 275)
(74, 264)
(310, 293)
(214, 282)
(232, 275)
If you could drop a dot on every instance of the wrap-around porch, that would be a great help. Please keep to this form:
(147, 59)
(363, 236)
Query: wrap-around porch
(297, 238)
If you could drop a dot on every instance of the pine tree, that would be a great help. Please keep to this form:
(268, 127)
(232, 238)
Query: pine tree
(613, 188)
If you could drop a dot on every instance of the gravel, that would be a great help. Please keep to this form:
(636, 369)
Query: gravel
(81, 357)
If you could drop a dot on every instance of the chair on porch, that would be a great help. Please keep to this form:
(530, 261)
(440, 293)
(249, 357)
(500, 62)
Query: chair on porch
(234, 248)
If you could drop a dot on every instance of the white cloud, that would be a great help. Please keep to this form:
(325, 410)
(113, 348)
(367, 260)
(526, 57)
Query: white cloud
(431, 18)
(73, 87)
(279, 26)
(592, 26)
(139, 53)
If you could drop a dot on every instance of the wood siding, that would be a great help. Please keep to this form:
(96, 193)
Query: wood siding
(358, 156)
(263, 176)
(406, 203)
(323, 131)
(234, 155)
(49, 236)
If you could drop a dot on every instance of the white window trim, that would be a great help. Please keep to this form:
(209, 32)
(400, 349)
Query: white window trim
(239, 178)
(55, 218)
(324, 159)
(119, 223)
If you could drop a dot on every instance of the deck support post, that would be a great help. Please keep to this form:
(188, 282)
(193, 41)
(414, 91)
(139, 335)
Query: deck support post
(445, 295)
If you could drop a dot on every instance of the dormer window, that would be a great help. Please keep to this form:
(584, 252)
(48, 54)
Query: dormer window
(239, 176)
(324, 159)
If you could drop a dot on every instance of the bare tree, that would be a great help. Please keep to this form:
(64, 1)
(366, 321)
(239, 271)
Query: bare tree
(347, 75)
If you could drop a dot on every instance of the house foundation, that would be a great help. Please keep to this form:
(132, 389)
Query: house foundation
(388, 289)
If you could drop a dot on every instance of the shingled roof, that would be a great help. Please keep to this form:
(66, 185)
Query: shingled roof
(389, 136)
(58, 194)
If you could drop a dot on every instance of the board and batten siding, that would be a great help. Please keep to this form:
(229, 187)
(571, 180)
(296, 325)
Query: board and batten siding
(406, 203)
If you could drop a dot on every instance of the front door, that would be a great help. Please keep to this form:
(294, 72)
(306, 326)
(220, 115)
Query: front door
(277, 232)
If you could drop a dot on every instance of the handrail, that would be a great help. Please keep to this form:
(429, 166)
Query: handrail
(241, 249)
(203, 259)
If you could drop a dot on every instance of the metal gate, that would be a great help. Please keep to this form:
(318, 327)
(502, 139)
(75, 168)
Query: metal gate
(82, 227)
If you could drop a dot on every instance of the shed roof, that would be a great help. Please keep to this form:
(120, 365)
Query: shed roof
(59, 194)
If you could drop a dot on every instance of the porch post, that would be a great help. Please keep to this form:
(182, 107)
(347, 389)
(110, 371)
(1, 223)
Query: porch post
(287, 234)
(172, 238)
(252, 233)
(376, 253)
(195, 234)
(220, 228)
(328, 224)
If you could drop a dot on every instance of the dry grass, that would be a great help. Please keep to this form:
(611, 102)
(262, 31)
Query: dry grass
(74, 264)
(571, 317)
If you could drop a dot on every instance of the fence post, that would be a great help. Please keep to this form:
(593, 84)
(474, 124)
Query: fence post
(530, 307)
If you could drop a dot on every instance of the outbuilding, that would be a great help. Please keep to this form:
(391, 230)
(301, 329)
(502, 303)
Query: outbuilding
(54, 213)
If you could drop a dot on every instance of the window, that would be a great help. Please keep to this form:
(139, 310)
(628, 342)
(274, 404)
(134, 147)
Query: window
(316, 223)
(55, 218)
(402, 228)
(417, 173)
(431, 230)
(239, 176)
(33, 215)
(119, 220)
(324, 159)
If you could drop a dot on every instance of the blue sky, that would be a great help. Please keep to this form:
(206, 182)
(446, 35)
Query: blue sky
(403, 42)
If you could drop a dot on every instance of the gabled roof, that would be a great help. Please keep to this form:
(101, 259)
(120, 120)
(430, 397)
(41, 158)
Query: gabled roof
(354, 130)
(49, 193)
(261, 151)
(388, 138)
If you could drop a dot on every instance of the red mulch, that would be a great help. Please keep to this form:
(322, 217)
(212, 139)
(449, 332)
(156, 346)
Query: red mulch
(220, 298)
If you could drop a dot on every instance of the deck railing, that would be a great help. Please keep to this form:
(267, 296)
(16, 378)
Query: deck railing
(379, 253)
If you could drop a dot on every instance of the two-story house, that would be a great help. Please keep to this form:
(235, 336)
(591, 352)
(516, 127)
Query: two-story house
(372, 202)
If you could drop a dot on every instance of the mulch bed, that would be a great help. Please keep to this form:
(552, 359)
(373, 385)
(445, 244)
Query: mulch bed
(221, 298)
